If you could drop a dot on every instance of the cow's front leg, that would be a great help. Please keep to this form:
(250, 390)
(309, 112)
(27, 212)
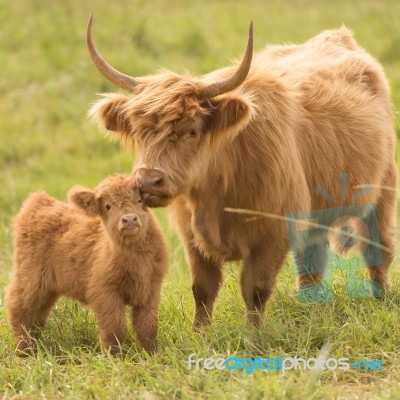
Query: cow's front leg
(206, 281)
(258, 277)
(206, 272)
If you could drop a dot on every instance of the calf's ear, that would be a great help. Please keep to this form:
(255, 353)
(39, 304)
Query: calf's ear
(85, 199)
(227, 116)
(110, 114)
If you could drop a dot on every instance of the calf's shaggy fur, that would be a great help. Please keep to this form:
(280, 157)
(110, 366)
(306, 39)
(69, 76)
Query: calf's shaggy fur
(105, 250)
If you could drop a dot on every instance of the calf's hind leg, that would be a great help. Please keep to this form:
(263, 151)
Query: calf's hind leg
(21, 311)
(47, 304)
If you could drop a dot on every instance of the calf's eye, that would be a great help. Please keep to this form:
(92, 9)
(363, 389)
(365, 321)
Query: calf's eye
(140, 201)
(108, 206)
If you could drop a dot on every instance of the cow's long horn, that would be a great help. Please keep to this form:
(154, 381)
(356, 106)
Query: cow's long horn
(120, 79)
(235, 80)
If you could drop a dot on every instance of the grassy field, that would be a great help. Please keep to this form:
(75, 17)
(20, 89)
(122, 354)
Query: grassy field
(47, 83)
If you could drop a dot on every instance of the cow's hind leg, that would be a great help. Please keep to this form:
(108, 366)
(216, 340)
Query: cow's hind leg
(310, 264)
(386, 218)
(258, 277)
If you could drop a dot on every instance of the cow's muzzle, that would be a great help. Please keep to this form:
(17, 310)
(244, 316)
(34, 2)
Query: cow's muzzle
(150, 180)
(154, 187)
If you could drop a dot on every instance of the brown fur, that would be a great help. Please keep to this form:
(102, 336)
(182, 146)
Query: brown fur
(79, 250)
(304, 114)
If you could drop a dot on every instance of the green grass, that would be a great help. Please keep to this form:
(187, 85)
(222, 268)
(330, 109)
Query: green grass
(47, 83)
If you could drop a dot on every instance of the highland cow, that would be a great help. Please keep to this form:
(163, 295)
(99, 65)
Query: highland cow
(262, 135)
(104, 249)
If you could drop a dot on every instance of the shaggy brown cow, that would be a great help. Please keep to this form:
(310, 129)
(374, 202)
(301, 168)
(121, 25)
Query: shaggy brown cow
(263, 136)
(105, 250)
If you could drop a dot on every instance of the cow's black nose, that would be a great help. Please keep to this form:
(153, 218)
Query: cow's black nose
(150, 180)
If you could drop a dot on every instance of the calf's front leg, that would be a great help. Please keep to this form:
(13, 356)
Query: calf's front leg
(110, 315)
(145, 324)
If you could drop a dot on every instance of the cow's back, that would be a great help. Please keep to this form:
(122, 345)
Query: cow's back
(341, 111)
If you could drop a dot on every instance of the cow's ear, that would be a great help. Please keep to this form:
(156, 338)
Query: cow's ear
(85, 200)
(110, 113)
(227, 116)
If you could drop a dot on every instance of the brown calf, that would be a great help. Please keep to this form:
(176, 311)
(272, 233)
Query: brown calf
(105, 250)
(262, 135)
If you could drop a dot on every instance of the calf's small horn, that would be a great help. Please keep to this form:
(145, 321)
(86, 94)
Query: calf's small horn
(120, 79)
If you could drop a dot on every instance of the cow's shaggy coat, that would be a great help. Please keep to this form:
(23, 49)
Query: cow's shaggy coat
(303, 115)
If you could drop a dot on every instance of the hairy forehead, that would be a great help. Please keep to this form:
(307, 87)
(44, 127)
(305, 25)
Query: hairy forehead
(160, 127)
(119, 188)
(165, 104)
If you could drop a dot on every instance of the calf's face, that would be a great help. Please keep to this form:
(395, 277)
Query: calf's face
(117, 201)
